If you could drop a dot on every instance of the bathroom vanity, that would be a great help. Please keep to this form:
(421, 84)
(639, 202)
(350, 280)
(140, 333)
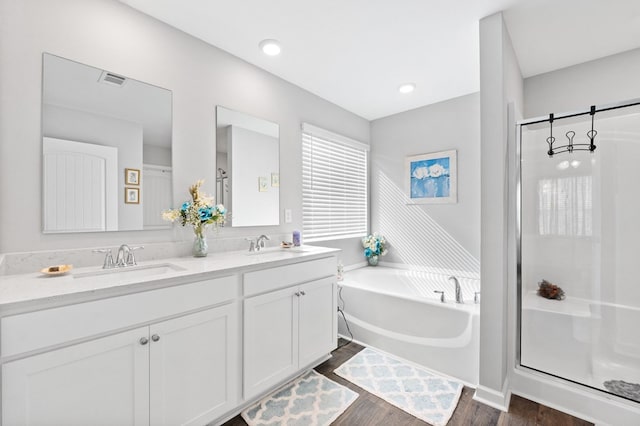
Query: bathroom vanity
(186, 341)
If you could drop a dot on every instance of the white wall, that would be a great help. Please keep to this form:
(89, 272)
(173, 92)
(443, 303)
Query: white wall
(500, 99)
(435, 236)
(253, 156)
(110, 35)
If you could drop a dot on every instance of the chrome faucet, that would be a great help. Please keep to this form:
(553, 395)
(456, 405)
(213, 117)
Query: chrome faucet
(260, 241)
(108, 258)
(121, 260)
(458, 289)
(126, 257)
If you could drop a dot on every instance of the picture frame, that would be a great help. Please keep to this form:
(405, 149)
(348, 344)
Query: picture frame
(263, 184)
(132, 176)
(275, 180)
(132, 195)
(432, 178)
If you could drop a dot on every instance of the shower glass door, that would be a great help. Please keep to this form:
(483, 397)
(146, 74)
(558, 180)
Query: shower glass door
(580, 252)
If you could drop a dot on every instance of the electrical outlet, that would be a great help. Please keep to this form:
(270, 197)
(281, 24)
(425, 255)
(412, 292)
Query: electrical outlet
(287, 216)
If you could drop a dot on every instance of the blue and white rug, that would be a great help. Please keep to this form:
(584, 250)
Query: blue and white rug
(311, 399)
(418, 392)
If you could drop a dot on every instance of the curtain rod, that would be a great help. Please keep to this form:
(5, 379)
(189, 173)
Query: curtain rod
(607, 107)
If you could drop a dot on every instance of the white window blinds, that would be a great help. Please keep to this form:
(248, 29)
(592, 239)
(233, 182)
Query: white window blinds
(334, 185)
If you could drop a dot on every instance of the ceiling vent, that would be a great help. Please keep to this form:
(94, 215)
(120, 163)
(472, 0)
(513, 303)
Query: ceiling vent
(112, 79)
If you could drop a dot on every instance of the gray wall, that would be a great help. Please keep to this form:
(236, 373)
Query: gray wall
(112, 36)
(435, 236)
(606, 80)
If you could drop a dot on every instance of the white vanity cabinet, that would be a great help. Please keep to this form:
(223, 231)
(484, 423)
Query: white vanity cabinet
(289, 321)
(178, 371)
(103, 381)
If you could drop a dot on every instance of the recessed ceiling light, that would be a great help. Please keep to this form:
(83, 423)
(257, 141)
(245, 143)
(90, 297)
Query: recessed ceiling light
(407, 88)
(270, 47)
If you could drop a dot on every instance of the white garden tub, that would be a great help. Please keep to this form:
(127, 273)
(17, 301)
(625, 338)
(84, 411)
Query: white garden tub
(397, 311)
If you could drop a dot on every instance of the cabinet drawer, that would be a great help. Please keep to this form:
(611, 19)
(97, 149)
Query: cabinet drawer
(35, 330)
(285, 276)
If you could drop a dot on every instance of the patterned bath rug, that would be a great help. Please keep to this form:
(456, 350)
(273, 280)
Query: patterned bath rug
(311, 399)
(418, 392)
(623, 389)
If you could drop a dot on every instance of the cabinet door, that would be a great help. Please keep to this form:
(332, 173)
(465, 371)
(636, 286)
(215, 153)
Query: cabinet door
(318, 320)
(101, 382)
(270, 339)
(194, 367)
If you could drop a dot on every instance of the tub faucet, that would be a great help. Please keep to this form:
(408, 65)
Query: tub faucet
(458, 290)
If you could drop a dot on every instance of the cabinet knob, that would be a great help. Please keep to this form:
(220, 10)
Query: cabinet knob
(144, 341)
(155, 337)
(303, 293)
(297, 293)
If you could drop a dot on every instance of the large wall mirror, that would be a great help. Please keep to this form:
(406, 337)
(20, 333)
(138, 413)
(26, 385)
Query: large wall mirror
(106, 145)
(248, 168)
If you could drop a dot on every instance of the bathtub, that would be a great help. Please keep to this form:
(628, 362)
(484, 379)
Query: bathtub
(581, 340)
(397, 311)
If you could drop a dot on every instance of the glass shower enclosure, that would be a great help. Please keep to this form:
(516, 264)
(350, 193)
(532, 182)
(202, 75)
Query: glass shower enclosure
(579, 249)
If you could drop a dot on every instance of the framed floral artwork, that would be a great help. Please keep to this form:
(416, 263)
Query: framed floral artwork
(432, 178)
(132, 195)
(263, 184)
(132, 177)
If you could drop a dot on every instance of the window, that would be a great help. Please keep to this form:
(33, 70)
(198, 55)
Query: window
(334, 185)
(565, 206)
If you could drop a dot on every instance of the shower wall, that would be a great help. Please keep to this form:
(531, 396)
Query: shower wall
(579, 210)
(580, 232)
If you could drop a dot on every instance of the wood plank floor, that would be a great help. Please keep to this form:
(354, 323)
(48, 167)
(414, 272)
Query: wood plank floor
(368, 409)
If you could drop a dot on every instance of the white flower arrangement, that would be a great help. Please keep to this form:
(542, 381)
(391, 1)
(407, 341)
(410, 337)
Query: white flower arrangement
(374, 245)
(199, 212)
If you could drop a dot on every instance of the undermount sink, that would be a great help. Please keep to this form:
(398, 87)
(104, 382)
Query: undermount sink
(131, 272)
(270, 250)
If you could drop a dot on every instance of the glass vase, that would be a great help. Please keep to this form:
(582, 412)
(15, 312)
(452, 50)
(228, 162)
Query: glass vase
(373, 260)
(200, 247)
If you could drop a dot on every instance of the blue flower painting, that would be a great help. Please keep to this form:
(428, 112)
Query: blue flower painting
(431, 177)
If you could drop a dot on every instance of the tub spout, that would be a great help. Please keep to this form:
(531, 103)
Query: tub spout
(458, 290)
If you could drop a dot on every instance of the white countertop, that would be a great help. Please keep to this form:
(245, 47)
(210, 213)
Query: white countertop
(35, 290)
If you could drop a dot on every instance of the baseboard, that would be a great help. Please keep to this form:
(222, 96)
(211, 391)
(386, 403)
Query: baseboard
(493, 398)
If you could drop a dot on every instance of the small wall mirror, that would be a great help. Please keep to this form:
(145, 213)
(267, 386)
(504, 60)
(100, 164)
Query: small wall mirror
(106, 150)
(248, 168)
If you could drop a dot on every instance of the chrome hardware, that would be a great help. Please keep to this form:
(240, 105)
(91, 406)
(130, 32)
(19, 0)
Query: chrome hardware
(458, 289)
(108, 258)
(252, 244)
(303, 293)
(155, 337)
(441, 294)
(121, 260)
(476, 297)
(131, 259)
(260, 241)
(144, 341)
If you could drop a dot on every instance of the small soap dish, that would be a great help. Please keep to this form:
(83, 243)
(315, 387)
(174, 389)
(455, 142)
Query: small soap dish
(286, 244)
(56, 270)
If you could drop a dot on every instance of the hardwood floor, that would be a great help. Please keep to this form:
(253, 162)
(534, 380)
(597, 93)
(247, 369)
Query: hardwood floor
(369, 410)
